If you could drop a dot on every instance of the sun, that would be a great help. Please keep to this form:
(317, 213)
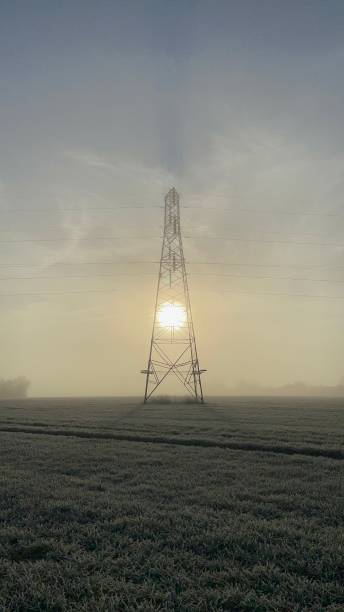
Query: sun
(171, 315)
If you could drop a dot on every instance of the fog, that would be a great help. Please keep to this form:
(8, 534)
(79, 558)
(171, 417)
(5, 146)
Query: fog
(104, 107)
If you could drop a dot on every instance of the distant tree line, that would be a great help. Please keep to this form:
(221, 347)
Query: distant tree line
(298, 388)
(16, 388)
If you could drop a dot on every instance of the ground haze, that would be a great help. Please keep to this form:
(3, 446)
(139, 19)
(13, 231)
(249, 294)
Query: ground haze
(106, 504)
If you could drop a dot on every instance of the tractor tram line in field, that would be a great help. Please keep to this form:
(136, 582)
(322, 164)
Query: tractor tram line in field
(330, 453)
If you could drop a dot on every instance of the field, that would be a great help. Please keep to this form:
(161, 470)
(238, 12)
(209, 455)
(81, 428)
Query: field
(108, 505)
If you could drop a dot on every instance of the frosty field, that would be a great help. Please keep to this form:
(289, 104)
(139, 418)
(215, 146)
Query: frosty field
(106, 504)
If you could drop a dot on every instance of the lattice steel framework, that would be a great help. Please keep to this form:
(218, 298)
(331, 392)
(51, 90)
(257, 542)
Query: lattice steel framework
(173, 348)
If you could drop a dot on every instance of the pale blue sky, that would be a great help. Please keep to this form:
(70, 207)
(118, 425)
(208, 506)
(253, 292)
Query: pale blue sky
(109, 103)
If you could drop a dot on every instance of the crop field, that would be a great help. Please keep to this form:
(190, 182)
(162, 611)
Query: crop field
(109, 505)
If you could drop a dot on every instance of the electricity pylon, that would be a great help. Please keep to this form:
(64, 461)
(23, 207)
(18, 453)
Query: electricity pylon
(173, 349)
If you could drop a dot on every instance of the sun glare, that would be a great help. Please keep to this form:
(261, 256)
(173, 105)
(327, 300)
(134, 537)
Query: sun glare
(171, 315)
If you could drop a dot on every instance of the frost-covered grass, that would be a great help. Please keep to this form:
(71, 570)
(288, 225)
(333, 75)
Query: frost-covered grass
(91, 523)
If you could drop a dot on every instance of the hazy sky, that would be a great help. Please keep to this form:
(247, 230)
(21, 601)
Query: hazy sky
(239, 105)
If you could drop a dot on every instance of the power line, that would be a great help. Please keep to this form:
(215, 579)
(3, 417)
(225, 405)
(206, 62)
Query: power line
(5, 278)
(256, 265)
(203, 237)
(290, 278)
(265, 211)
(278, 234)
(88, 239)
(297, 295)
(256, 240)
(81, 263)
(286, 294)
(159, 228)
(58, 292)
(190, 263)
(135, 274)
(53, 229)
(75, 209)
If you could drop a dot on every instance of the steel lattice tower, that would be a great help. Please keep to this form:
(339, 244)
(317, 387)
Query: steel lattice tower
(173, 346)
